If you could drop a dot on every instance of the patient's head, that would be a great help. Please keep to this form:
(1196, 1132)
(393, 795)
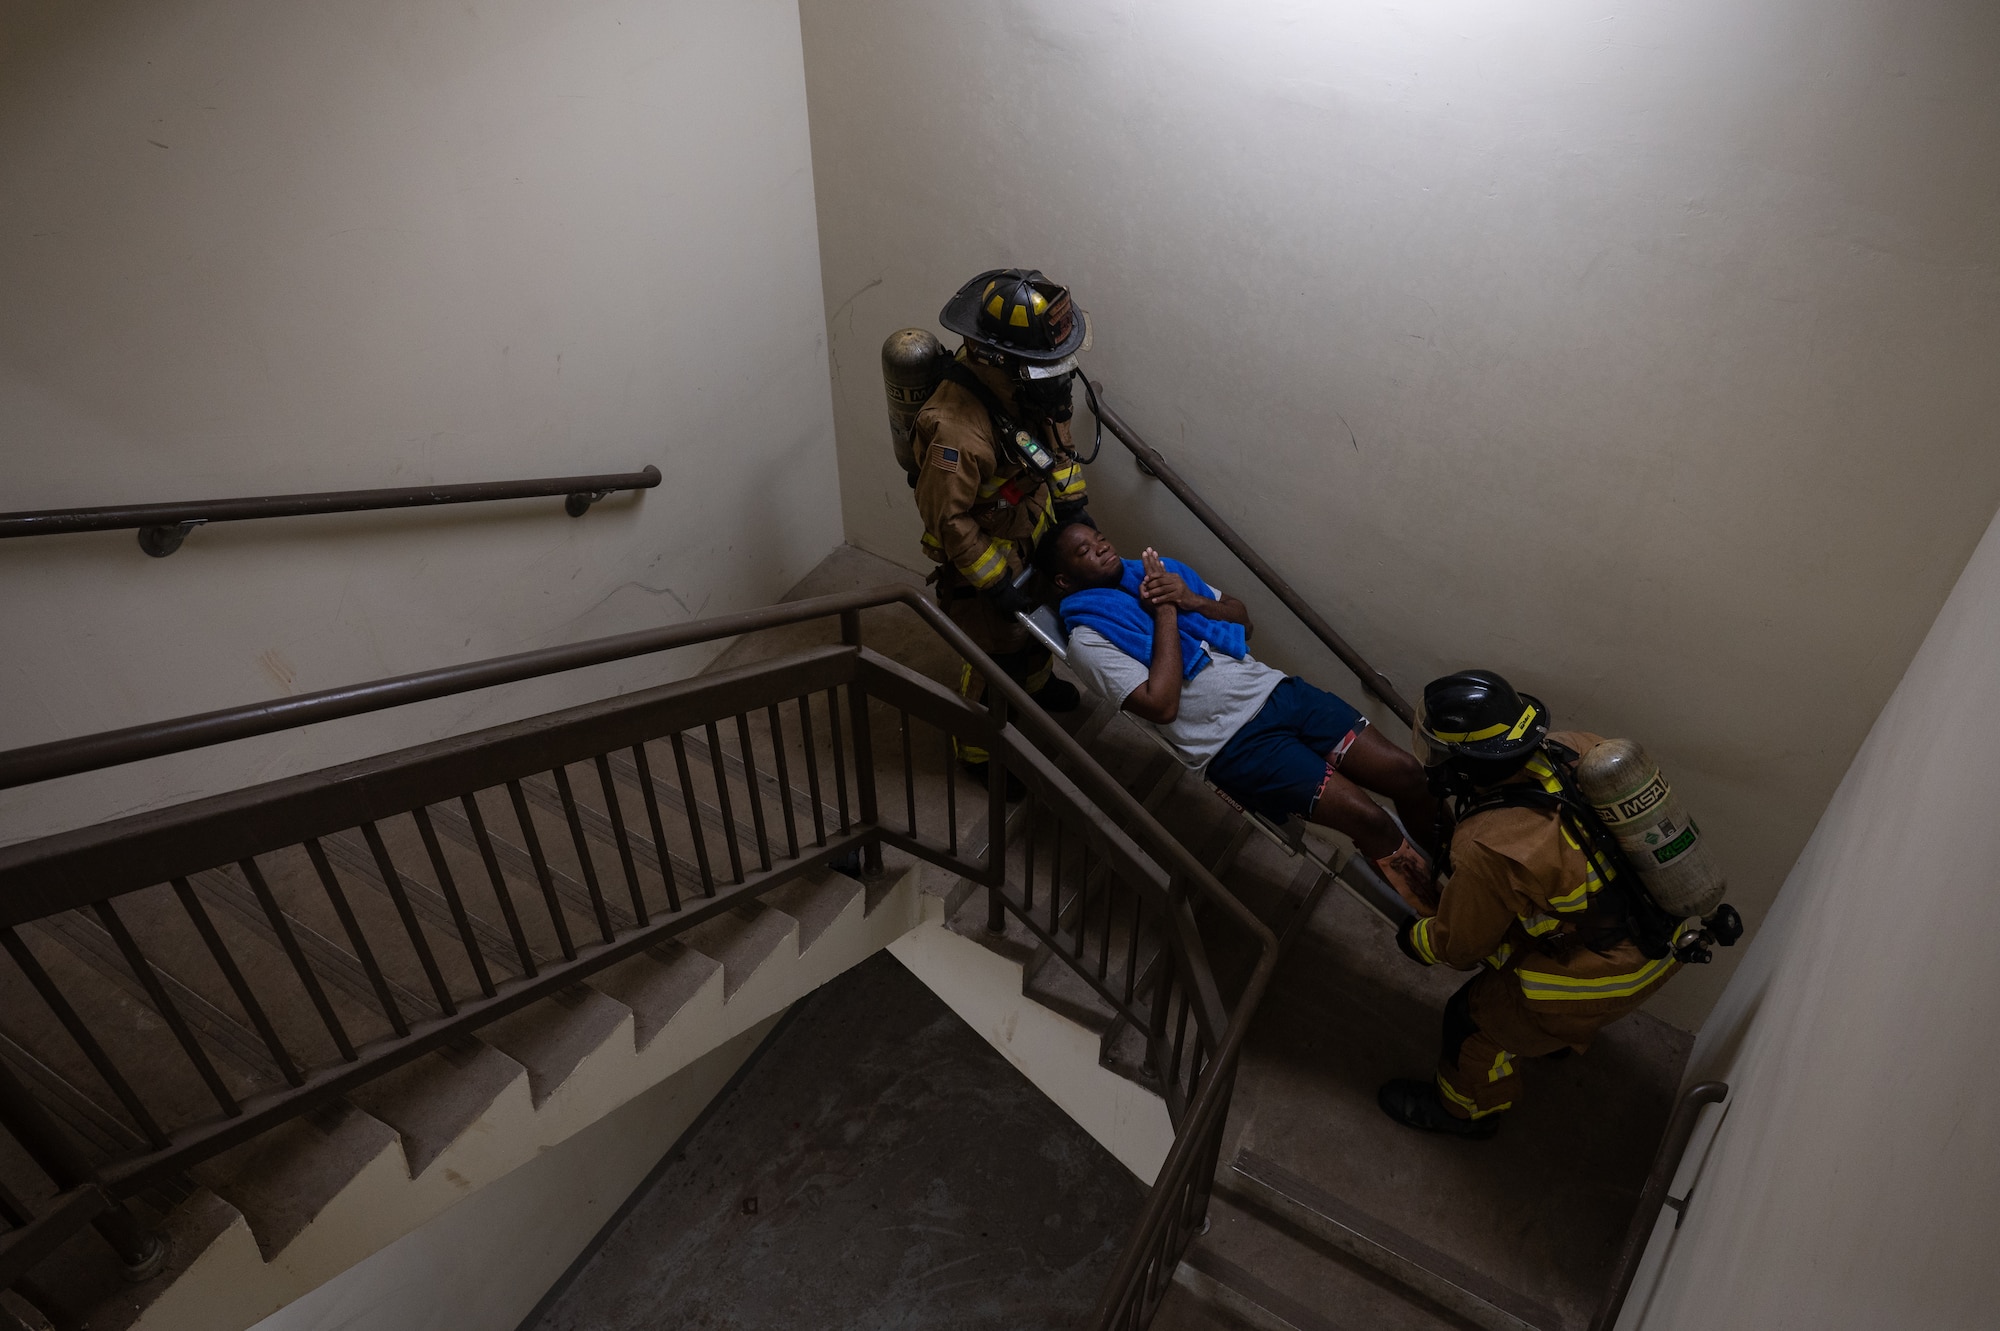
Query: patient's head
(1077, 555)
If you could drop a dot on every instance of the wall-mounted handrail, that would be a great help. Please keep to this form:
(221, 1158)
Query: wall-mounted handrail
(1653, 1195)
(163, 526)
(1371, 679)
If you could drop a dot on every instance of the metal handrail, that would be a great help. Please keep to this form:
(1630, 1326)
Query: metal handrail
(62, 871)
(162, 527)
(1666, 1163)
(1373, 680)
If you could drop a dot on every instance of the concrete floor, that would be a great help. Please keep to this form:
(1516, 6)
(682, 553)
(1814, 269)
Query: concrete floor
(903, 1175)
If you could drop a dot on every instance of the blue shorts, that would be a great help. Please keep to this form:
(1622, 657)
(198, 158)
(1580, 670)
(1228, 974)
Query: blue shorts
(1278, 763)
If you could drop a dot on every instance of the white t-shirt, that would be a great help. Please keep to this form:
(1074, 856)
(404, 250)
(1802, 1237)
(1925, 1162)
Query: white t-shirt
(1215, 704)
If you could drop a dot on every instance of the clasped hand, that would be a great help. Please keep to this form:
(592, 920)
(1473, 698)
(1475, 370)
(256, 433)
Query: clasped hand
(1160, 588)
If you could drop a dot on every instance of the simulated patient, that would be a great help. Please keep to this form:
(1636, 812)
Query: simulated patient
(1155, 635)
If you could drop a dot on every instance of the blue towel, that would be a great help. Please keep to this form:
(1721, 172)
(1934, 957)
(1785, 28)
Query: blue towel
(1116, 613)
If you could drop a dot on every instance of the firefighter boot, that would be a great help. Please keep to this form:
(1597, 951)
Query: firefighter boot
(1417, 1104)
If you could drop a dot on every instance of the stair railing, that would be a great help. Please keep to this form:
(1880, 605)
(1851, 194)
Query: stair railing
(379, 890)
(1373, 680)
(163, 527)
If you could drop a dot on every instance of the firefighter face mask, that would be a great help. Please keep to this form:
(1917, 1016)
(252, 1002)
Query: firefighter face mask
(1045, 391)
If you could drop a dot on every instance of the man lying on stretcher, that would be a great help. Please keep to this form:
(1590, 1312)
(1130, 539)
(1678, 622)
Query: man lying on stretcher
(1175, 651)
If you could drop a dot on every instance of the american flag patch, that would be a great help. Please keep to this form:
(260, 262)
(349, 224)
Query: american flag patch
(944, 459)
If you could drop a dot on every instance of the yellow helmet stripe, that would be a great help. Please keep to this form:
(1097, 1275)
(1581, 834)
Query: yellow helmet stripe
(1518, 729)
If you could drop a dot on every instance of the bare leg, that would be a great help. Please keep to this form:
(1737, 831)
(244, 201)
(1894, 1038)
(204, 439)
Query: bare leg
(1344, 807)
(1373, 763)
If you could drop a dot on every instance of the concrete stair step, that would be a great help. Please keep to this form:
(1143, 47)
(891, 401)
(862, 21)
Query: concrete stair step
(1399, 1259)
(283, 1179)
(228, 1040)
(657, 984)
(552, 1037)
(431, 1101)
(1264, 1275)
(139, 1043)
(815, 902)
(741, 938)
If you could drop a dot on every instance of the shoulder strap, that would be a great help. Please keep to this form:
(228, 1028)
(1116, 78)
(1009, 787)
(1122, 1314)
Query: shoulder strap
(1642, 919)
(1003, 426)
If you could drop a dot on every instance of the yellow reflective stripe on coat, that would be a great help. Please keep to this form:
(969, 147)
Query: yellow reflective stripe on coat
(1465, 1102)
(932, 543)
(1503, 1066)
(1068, 480)
(1420, 940)
(1543, 985)
(1539, 924)
(989, 568)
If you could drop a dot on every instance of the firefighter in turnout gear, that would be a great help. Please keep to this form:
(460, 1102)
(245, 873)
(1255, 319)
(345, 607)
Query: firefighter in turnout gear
(1564, 939)
(995, 473)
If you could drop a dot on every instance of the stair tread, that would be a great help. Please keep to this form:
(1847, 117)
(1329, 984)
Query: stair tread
(1402, 1257)
(815, 901)
(551, 1037)
(656, 984)
(741, 938)
(432, 1100)
(1299, 1284)
(283, 1178)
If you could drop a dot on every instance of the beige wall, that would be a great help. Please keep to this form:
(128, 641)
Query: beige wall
(1646, 354)
(1851, 1182)
(264, 248)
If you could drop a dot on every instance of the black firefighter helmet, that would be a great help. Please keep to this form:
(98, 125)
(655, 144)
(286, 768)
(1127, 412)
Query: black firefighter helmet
(1474, 723)
(1018, 312)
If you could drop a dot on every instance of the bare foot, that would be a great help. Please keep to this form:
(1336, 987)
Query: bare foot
(1411, 875)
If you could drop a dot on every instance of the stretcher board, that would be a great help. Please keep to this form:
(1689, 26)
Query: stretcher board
(1353, 872)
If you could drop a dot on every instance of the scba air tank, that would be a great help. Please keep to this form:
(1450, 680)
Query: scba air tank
(912, 367)
(1639, 807)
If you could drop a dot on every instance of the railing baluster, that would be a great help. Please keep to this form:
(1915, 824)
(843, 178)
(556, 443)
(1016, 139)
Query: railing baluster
(499, 882)
(909, 771)
(548, 885)
(756, 787)
(392, 879)
(812, 768)
(289, 941)
(362, 952)
(839, 759)
(163, 1003)
(1080, 899)
(722, 801)
(421, 816)
(12, 1209)
(44, 985)
(1055, 880)
(1180, 1039)
(1132, 945)
(622, 840)
(652, 801)
(950, 794)
(784, 781)
(693, 817)
(1029, 834)
(864, 759)
(1109, 891)
(583, 860)
(203, 925)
